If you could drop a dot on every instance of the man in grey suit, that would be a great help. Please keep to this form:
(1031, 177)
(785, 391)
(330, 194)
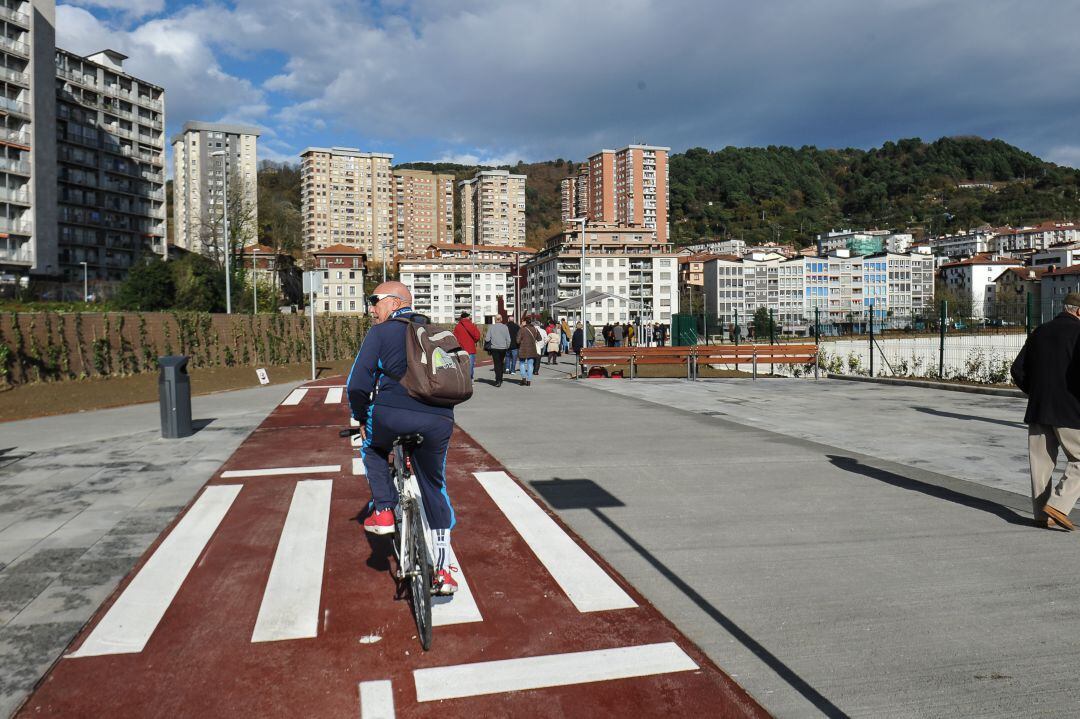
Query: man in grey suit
(1048, 371)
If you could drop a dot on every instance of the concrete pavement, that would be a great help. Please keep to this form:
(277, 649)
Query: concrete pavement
(826, 580)
(81, 498)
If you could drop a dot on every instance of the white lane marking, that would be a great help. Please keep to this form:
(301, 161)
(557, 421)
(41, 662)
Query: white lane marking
(552, 670)
(587, 585)
(358, 466)
(280, 470)
(290, 604)
(376, 700)
(458, 608)
(295, 396)
(356, 440)
(353, 422)
(333, 395)
(130, 621)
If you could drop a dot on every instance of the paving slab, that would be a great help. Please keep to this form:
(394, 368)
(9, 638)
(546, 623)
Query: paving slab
(814, 565)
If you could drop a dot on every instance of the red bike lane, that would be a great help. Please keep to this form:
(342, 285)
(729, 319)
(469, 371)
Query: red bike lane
(230, 614)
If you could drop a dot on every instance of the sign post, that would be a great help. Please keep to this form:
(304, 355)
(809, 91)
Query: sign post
(312, 286)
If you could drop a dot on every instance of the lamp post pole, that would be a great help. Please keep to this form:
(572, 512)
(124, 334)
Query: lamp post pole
(581, 274)
(255, 280)
(85, 293)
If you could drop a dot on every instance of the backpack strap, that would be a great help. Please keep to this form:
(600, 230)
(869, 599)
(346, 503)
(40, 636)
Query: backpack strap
(408, 323)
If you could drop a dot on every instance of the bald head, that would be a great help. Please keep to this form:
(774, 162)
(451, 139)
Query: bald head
(393, 287)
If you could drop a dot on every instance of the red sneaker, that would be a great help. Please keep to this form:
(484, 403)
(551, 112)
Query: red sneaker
(444, 582)
(380, 522)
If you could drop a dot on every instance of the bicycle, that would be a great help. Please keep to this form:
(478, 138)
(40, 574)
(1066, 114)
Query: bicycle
(412, 543)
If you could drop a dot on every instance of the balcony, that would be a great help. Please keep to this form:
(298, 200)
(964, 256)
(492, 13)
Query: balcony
(16, 106)
(9, 75)
(14, 46)
(23, 254)
(20, 138)
(19, 18)
(16, 227)
(9, 165)
(15, 197)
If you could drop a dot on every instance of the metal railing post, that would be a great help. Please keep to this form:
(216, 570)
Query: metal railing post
(754, 363)
(817, 346)
(1030, 313)
(871, 340)
(941, 342)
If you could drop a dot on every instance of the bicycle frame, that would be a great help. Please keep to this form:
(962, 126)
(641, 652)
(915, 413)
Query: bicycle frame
(408, 493)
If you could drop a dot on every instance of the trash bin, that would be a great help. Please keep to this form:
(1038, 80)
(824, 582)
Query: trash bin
(174, 397)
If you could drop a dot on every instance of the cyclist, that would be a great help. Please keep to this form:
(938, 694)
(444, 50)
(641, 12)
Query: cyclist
(386, 410)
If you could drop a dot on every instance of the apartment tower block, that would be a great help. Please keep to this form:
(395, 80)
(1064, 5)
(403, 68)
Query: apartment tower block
(493, 209)
(205, 154)
(110, 129)
(424, 212)
(348, 198)
(629, 188)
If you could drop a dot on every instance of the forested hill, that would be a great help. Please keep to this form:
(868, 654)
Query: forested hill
(788, 194)
(905, 184)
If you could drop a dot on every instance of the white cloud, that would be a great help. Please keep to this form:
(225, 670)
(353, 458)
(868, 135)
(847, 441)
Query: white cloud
(1068, 155)
(171, 53)
(480, 157)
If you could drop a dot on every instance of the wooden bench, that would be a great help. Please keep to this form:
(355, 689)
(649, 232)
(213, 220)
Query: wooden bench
(755, 355)
(693, 356)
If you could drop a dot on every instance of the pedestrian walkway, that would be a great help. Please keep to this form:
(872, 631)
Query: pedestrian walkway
(826, 581)
(267, 594)
(81, 498)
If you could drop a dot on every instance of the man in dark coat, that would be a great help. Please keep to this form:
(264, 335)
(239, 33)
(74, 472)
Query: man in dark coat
(512, 353)
(1048, 371)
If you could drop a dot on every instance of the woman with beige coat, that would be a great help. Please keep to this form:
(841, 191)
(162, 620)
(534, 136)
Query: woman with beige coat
(528, 352)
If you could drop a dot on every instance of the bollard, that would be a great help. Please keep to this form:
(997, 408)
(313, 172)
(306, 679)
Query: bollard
(755, 364)
(174, 397)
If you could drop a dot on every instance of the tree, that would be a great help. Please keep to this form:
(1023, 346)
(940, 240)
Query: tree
(200, 284)
(149, 287)
(764, 326)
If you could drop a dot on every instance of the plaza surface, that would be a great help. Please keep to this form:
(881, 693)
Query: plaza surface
(839, 548)
(836, 548)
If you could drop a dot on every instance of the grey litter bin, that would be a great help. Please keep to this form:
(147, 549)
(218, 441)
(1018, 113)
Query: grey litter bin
(174, 396)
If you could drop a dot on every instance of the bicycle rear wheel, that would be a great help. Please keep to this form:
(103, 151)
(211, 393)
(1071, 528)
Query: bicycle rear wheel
(419, 576)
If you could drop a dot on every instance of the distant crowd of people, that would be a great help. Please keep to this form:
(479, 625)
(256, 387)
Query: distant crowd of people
(519, 348)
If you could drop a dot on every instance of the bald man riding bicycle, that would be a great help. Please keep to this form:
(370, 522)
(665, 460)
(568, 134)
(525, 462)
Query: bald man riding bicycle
(386, 410)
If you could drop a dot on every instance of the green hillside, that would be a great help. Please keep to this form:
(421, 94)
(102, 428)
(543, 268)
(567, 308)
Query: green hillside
(788, 194)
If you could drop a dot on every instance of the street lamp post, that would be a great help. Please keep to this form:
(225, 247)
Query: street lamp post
(581, 276)
(85, 293)
(255, 280)
(225, 229)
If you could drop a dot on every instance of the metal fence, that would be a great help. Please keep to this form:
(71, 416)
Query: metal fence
(936, 343)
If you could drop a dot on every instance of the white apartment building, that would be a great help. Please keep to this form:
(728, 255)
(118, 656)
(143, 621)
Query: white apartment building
(860, 242)
(493, 208)
(347, 198)
(967, 243)
(110, 130)
(28, 237)
(970, 279)
(841, 287)
(716, 247)
(1042, 237)
(637, 272)
(443, 288)
(205, 156)
(1059, 257)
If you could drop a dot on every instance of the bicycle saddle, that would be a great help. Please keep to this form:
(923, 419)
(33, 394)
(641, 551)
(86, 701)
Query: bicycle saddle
(410, 441)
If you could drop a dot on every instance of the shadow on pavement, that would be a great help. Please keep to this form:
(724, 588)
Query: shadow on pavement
(587, 494)
(969, 417)
(849, 464)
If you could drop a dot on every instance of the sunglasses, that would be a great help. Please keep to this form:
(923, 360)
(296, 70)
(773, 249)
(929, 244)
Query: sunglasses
(376, 299)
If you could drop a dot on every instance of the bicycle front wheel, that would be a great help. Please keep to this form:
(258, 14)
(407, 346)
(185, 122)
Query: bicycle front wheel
(420, 576)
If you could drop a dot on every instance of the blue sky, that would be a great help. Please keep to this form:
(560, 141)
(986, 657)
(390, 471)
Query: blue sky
(494, 81)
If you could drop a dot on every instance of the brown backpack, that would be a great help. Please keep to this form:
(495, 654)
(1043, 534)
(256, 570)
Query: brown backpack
(438, 368)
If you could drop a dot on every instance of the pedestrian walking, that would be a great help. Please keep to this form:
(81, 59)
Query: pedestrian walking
(497, 343)
(1047, 370)
(554, 340)
(541, 345)
(467, 335)
(527, 352)
(578, 339)
(618, 332)
(512, 353)
(566, 334)
(609, 340)
(630, 335)
(590, 334)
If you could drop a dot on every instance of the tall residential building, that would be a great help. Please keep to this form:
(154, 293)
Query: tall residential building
(575, 194)
(424, 213)
(629, 188)
(27, 140)
(348, 198)
(444, 287)
(199, 175)
(110, 130)
(493, 209)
